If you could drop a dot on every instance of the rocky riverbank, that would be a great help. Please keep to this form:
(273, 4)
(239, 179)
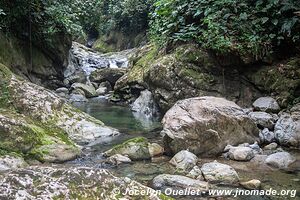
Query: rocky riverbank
(206, 142)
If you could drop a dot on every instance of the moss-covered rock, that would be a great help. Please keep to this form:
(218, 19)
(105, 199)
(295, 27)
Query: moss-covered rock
(36, 123)
(282, 80)
(32, 139)
(117, 41)
(42, 62)
(189, 71)
(135, 149)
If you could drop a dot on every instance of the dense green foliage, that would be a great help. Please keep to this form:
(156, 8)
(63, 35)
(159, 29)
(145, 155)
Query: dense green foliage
(75, 16)
(246, 26)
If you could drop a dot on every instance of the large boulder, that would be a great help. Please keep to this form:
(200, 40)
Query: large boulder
(216, 172)
(109, 74)
(205, 125)
(287, 128)
(70, 183)
(33, 139)
(33, 113)
(266, 104)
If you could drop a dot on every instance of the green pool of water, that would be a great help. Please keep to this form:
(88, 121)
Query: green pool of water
(119, 117)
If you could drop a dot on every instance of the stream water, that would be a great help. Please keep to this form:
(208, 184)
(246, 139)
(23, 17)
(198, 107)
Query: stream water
(131, 125)
(144, 171)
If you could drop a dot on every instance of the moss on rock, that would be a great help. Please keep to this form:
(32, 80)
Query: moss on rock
(26, 137)
(135, 149)
(281, 80)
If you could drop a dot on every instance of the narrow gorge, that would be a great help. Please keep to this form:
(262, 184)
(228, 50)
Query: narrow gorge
(150, 113)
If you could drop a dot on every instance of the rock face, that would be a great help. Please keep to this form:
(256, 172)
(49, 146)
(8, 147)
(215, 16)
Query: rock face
(48, 61)
(10, 162)
(47, 107)
(177, 181)
(184, 160)
(219, 173)
(266, 104)
(110, 74)
(287, 128)
(35, 122)
(205, 125)
(68, 183)
(145, 105)
(280, 160)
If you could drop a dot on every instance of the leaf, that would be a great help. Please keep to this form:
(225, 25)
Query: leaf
(243, 16)
(264, 20)
(275, 21)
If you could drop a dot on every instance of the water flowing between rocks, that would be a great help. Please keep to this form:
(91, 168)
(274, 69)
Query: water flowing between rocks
(133, 123)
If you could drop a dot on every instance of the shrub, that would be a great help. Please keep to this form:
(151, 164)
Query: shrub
(245, 26)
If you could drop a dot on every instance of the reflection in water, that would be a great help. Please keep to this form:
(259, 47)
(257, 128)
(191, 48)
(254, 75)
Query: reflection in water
(119, 117)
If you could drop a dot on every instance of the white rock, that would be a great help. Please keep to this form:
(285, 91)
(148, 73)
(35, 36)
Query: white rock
(10, 162)
(262, 119)
(216, 172)
(266, 136)
(287, 128)
(167, 180)
(280, 160)
(118, 159)
(155, 149)
(184, 160)
(266, 104)
(252, 184)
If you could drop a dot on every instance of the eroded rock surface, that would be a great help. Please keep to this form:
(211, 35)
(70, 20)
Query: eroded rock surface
(68, 183)
(205, 125)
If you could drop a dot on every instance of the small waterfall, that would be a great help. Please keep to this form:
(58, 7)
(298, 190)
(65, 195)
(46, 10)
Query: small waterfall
(85, 60)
